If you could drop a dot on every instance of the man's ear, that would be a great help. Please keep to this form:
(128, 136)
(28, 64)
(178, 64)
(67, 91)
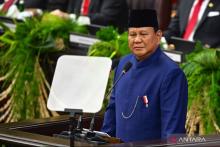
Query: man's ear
(159, 35)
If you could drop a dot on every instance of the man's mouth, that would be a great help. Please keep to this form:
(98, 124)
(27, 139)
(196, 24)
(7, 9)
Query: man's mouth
(138, 48)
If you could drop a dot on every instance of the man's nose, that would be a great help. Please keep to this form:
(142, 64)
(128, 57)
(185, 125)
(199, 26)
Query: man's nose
(137, 38)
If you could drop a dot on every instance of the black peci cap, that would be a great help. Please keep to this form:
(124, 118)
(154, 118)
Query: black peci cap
(142, 18)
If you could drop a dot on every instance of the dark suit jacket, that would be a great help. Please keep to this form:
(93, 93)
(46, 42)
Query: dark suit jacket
(208, 29)
(109, 12)
(101, 12)
(106, 12)
(48, 5)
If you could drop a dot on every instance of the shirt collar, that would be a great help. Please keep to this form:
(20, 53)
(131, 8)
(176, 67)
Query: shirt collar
(152, 58)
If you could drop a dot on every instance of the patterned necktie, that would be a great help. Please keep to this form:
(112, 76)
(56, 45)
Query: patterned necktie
(85, 7)
(7, 5)
(193, 20)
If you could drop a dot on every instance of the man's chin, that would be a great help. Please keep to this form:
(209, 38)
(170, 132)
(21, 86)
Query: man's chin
(138, 53)
(140, 56)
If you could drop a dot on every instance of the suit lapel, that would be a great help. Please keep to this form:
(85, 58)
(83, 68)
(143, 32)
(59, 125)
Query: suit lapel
(207, 10)
(91, 5)
(78, 4)
(187, 9)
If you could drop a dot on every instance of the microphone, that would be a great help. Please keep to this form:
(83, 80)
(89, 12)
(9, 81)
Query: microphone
(126, 68)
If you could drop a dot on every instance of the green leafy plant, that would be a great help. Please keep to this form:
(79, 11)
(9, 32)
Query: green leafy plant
(24, 88)
(203, 74)
(112, 44)
(2, 13)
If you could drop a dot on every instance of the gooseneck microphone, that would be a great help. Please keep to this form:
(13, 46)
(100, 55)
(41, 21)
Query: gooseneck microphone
(126, 68)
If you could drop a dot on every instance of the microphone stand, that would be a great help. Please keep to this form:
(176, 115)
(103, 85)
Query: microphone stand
(79, 124)
(127, 66)
(91, 134)
(120, 76)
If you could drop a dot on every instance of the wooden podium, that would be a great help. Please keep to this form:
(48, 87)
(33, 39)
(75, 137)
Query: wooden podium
(40, 133)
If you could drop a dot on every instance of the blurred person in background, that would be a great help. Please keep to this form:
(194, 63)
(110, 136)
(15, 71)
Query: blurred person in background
(196, 20)
(100, 12)
(9, 8)
(48, 5)
(15, 9)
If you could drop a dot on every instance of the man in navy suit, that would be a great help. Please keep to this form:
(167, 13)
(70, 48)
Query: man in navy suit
(206, 29)
(150, 100)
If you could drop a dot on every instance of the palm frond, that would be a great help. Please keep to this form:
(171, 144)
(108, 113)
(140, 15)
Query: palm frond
(24, 88)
